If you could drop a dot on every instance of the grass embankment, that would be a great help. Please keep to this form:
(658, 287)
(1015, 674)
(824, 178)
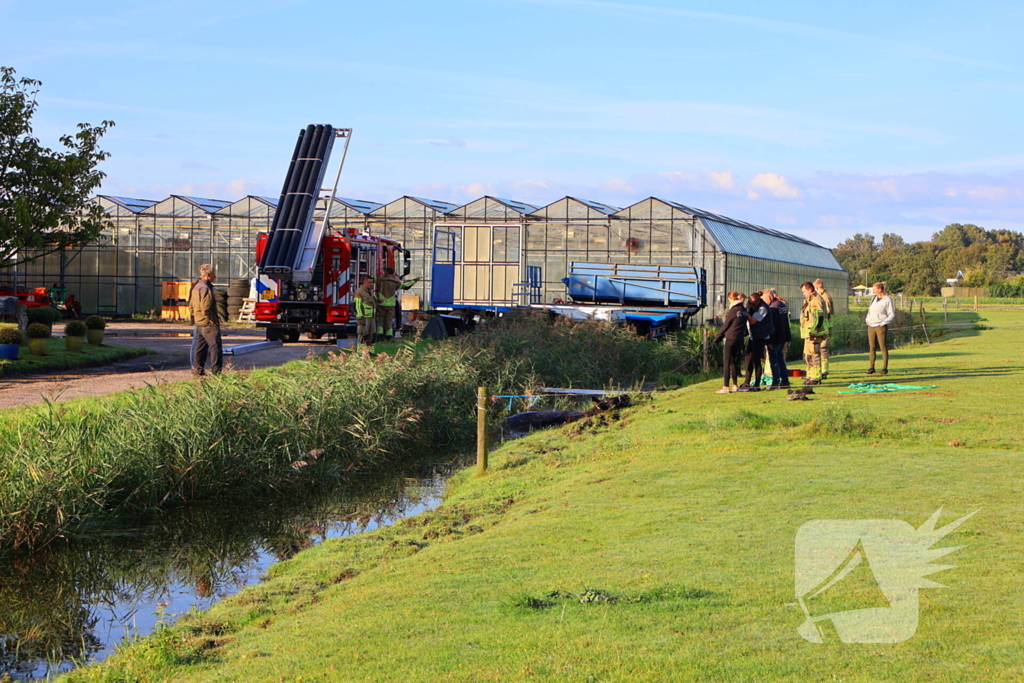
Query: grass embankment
(659, 546)
(59, 358)
(65, 464)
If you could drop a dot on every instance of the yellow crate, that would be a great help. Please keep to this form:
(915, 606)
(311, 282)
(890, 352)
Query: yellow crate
(174, 313)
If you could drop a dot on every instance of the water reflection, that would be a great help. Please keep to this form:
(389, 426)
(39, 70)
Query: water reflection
(73, 603)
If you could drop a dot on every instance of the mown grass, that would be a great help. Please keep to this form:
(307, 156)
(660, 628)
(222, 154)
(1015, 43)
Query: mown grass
(677, 522)
(240, 434)
(59, 358)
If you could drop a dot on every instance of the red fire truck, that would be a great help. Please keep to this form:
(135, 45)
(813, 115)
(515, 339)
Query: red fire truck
(323, 304)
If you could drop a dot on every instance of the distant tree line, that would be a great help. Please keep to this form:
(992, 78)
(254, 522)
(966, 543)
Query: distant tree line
(988, 258)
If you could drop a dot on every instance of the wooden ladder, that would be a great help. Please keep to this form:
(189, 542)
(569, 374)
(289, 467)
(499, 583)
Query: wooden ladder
(247, 314)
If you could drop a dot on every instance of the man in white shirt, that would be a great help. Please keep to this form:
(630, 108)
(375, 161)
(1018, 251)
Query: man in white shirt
(881, 313)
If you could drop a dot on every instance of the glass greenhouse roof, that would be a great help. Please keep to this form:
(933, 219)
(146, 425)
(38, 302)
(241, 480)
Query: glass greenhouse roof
(360, 205)
(521, 207)
(606, 209)
(208, 205)
(733, 238)
(133, 205)
(442, 207)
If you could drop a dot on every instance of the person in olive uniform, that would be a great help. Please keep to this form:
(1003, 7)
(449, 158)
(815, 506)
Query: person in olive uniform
(812, 327)
(387, 298)
(826, 299)
(202, 308)
(366, 311)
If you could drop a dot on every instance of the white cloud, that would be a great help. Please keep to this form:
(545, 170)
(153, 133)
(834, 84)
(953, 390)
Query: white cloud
(616, 185)
(773, 183)
(722, 179)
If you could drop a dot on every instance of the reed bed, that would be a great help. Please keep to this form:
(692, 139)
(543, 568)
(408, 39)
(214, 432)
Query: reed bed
(242, 434)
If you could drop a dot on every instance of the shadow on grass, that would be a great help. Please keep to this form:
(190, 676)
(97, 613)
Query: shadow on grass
(916, 375)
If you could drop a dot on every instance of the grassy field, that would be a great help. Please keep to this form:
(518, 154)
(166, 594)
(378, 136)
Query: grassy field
(659, 546)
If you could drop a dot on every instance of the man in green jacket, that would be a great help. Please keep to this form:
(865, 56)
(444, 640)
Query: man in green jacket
(366, 307)
(387, 298)
(202, 307)
(813, 326)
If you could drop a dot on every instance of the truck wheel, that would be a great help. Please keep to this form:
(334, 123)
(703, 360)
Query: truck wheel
(292, 336)
(273, 335)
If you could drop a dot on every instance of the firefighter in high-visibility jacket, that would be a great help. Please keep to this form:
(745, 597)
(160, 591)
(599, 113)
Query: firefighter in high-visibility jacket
(813, 326)
(366, 311)
(387, 299)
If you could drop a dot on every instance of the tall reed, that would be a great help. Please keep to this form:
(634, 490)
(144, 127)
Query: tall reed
(241, 434)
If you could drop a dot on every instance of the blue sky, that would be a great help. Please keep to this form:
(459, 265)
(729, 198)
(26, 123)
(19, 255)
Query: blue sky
(821, 119)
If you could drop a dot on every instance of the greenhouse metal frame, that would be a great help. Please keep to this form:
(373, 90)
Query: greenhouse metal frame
(150, 242)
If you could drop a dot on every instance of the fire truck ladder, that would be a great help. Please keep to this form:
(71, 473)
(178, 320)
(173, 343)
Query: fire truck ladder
(313, 237)
(293, 220)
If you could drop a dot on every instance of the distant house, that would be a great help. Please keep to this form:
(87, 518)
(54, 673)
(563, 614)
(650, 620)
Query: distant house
(951, 281)
(860, 290)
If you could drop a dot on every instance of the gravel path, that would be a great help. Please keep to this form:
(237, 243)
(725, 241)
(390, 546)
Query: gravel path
(170, 363)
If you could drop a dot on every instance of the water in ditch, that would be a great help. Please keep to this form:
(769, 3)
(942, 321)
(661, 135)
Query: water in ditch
(69, 604)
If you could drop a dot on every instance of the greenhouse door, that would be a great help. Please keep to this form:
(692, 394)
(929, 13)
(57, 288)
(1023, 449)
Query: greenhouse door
(442, 271)
(488, 266)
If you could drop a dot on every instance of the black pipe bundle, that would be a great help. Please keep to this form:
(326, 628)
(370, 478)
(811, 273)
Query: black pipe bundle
(298, 199)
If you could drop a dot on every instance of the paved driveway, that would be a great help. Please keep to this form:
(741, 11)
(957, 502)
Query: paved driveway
(169, 363)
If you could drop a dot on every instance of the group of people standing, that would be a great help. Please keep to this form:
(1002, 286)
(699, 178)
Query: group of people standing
(763, 317)
(375, 306)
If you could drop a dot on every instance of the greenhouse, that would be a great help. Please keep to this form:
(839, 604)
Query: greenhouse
(496, 242)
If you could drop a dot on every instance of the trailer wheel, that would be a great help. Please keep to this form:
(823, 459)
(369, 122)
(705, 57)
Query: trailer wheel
(292, 336)
(273, 335)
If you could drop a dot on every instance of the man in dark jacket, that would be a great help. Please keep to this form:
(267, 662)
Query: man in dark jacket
(202, 306)
(782, 336)
(761, 325)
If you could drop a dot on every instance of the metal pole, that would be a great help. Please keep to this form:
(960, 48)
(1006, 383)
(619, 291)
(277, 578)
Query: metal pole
(345, 133)
(924, 325)
(481, 430)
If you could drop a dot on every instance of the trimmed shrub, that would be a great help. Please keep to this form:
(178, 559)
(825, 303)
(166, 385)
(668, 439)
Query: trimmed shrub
(94, 322)
(47, 315)
(10, 335)
(38, 331)
(74, 329)
(1007, 290)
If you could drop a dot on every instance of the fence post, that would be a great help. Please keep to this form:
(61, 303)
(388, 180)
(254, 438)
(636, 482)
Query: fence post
(481, 430)
(975, 302)
(706, 366)
(924, 325)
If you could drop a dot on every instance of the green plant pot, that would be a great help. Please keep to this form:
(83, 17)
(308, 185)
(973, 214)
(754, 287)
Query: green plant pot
(95, 337)
(74, 344)
(37, 347)
(9, 351)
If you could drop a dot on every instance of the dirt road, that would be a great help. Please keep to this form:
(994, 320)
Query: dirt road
(170, 363)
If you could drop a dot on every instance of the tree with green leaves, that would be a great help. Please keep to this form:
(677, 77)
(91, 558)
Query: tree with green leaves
(43, 191)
